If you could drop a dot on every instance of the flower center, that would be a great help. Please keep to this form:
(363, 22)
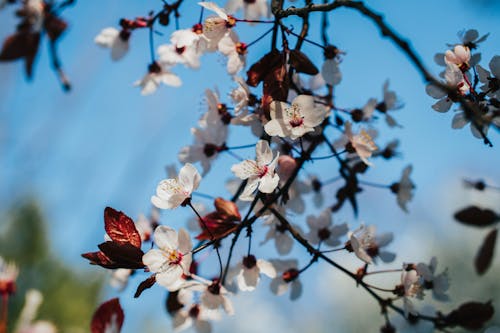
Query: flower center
(174, 257)
(262, 171)
(249, 261)
(324, 233)
(241, 48)
(290, 275)
(295, 117)
(180, 50)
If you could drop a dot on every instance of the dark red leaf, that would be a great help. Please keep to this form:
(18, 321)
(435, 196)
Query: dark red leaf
(54, 26)
(123, 255)
(18, 45)
(146, 284)
(485, 254)
(98, 258)
(108, 314)
(470, 315)
(228, 208)
(476, 216)
(259, 70)
(301, 63)
(120, 228)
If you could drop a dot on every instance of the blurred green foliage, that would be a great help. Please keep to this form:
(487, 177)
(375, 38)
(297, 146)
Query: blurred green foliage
(70, 296)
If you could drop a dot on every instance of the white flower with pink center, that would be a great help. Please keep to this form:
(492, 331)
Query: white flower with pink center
(460, 56)
(367, 245)
(249, 272)
(184, 49)
(216, 27)
(234, 50)
(362, 144)
(260, 173)
(295, 120)
(155, 77)
(252, 9)
(114, 39)
(171, 193)
(172, 259)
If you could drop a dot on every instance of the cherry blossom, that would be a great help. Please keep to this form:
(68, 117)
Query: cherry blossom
(184, 49)
(455, 80)
(322, 230)
(411, 287)
(114, 39)
(171, 193)
(389, 103)
(288, 278)
(367, 245)
(438, 283)
(404, 188)
(252, 10)
(260, 172)
(216, 27)
(209, 141)
(157, 75)
(172, 259)
(362, 144)
(490, 81)
(249, 271)
(193, 314)
(26, 322)
(295, 120)
(234, 50)
(215, 296)
(460, 56)
(283, 242)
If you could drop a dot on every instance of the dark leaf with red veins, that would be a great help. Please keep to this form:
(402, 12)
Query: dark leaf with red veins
(108, 318)
(54, 26)
(146, 284)
(470, 315)
(123, 255)
(120, 228)
(215, 226)
(98, 258)
(485, 255)
(259, 70)
(476, 216)
(301, 63)
(18, 45)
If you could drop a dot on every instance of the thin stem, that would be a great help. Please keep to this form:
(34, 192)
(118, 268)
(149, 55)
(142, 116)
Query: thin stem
(151, 43)
(328, 156)
(253, 21)
(384, 271)
(234, 155)
(334, 250)
(203, 195)
(241, 147)
(210, 233)
(364, 182)
(259, 38)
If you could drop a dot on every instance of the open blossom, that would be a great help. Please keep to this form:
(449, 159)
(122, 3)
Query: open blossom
(362, 144)
(490, 81)
(252, 10)
(288, 278)
(249, 271)
(367, 245)
(389, 103)
(215, 296)
(216, 27)
(283, 242)
(404, 188)
(295, 120)
(114, 39)
(322, 230)
(438, 283)
(460, 56)
(157, 75)
(234, 50)
(209, 141)
(260, 173)
(184, 49)
(172, 259)
(8, 277)
(171, 193)
(192, 314)
(26, 322)
(410, 287)
(455, 80)
(330, 71)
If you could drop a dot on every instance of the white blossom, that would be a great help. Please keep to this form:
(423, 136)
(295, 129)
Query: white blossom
(252, 10)
(439, 283)
(404, 188)
(184, 49)
(157, 75)
(216, 27)
(171, 193)
(260, 172)
(322, 230)
(367, 245)
(172, 259)
(234, 50)
(114, 39)
(249, 271)
(287, 278)
(295, 120)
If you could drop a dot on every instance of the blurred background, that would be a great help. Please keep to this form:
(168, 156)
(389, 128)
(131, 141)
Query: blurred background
(64, 157)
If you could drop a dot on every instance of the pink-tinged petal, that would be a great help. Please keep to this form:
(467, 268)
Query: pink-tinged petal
(304, 102)
(160, 203)
(451, 58)
(189, 177)
(181, 320)
(187, 259)
(227, 305)
(250, 188)
(276, 127)
(443, 105)
(266, 268)
(227, 44)
(154, 259)
(245, 169)
(171, 278)
(263, 152)
(459, 120)
(248, 279)
(166, 238)
(214, 8)
(268, 183)
(170, 79)
(184, 240)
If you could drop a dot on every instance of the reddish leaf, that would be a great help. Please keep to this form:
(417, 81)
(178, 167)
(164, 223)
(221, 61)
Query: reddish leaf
(172, 304)
(17, 46)
(98, 258)
(146, 284)
(301, 63)
(259, 70)
(476, 216)
(108, 315)
(228, 208)
(123, 255)
(485, 254)
(215, 226)
(120, 228)
(470, 315)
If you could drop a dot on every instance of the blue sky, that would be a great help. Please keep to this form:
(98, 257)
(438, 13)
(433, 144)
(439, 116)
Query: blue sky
(104, 144)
